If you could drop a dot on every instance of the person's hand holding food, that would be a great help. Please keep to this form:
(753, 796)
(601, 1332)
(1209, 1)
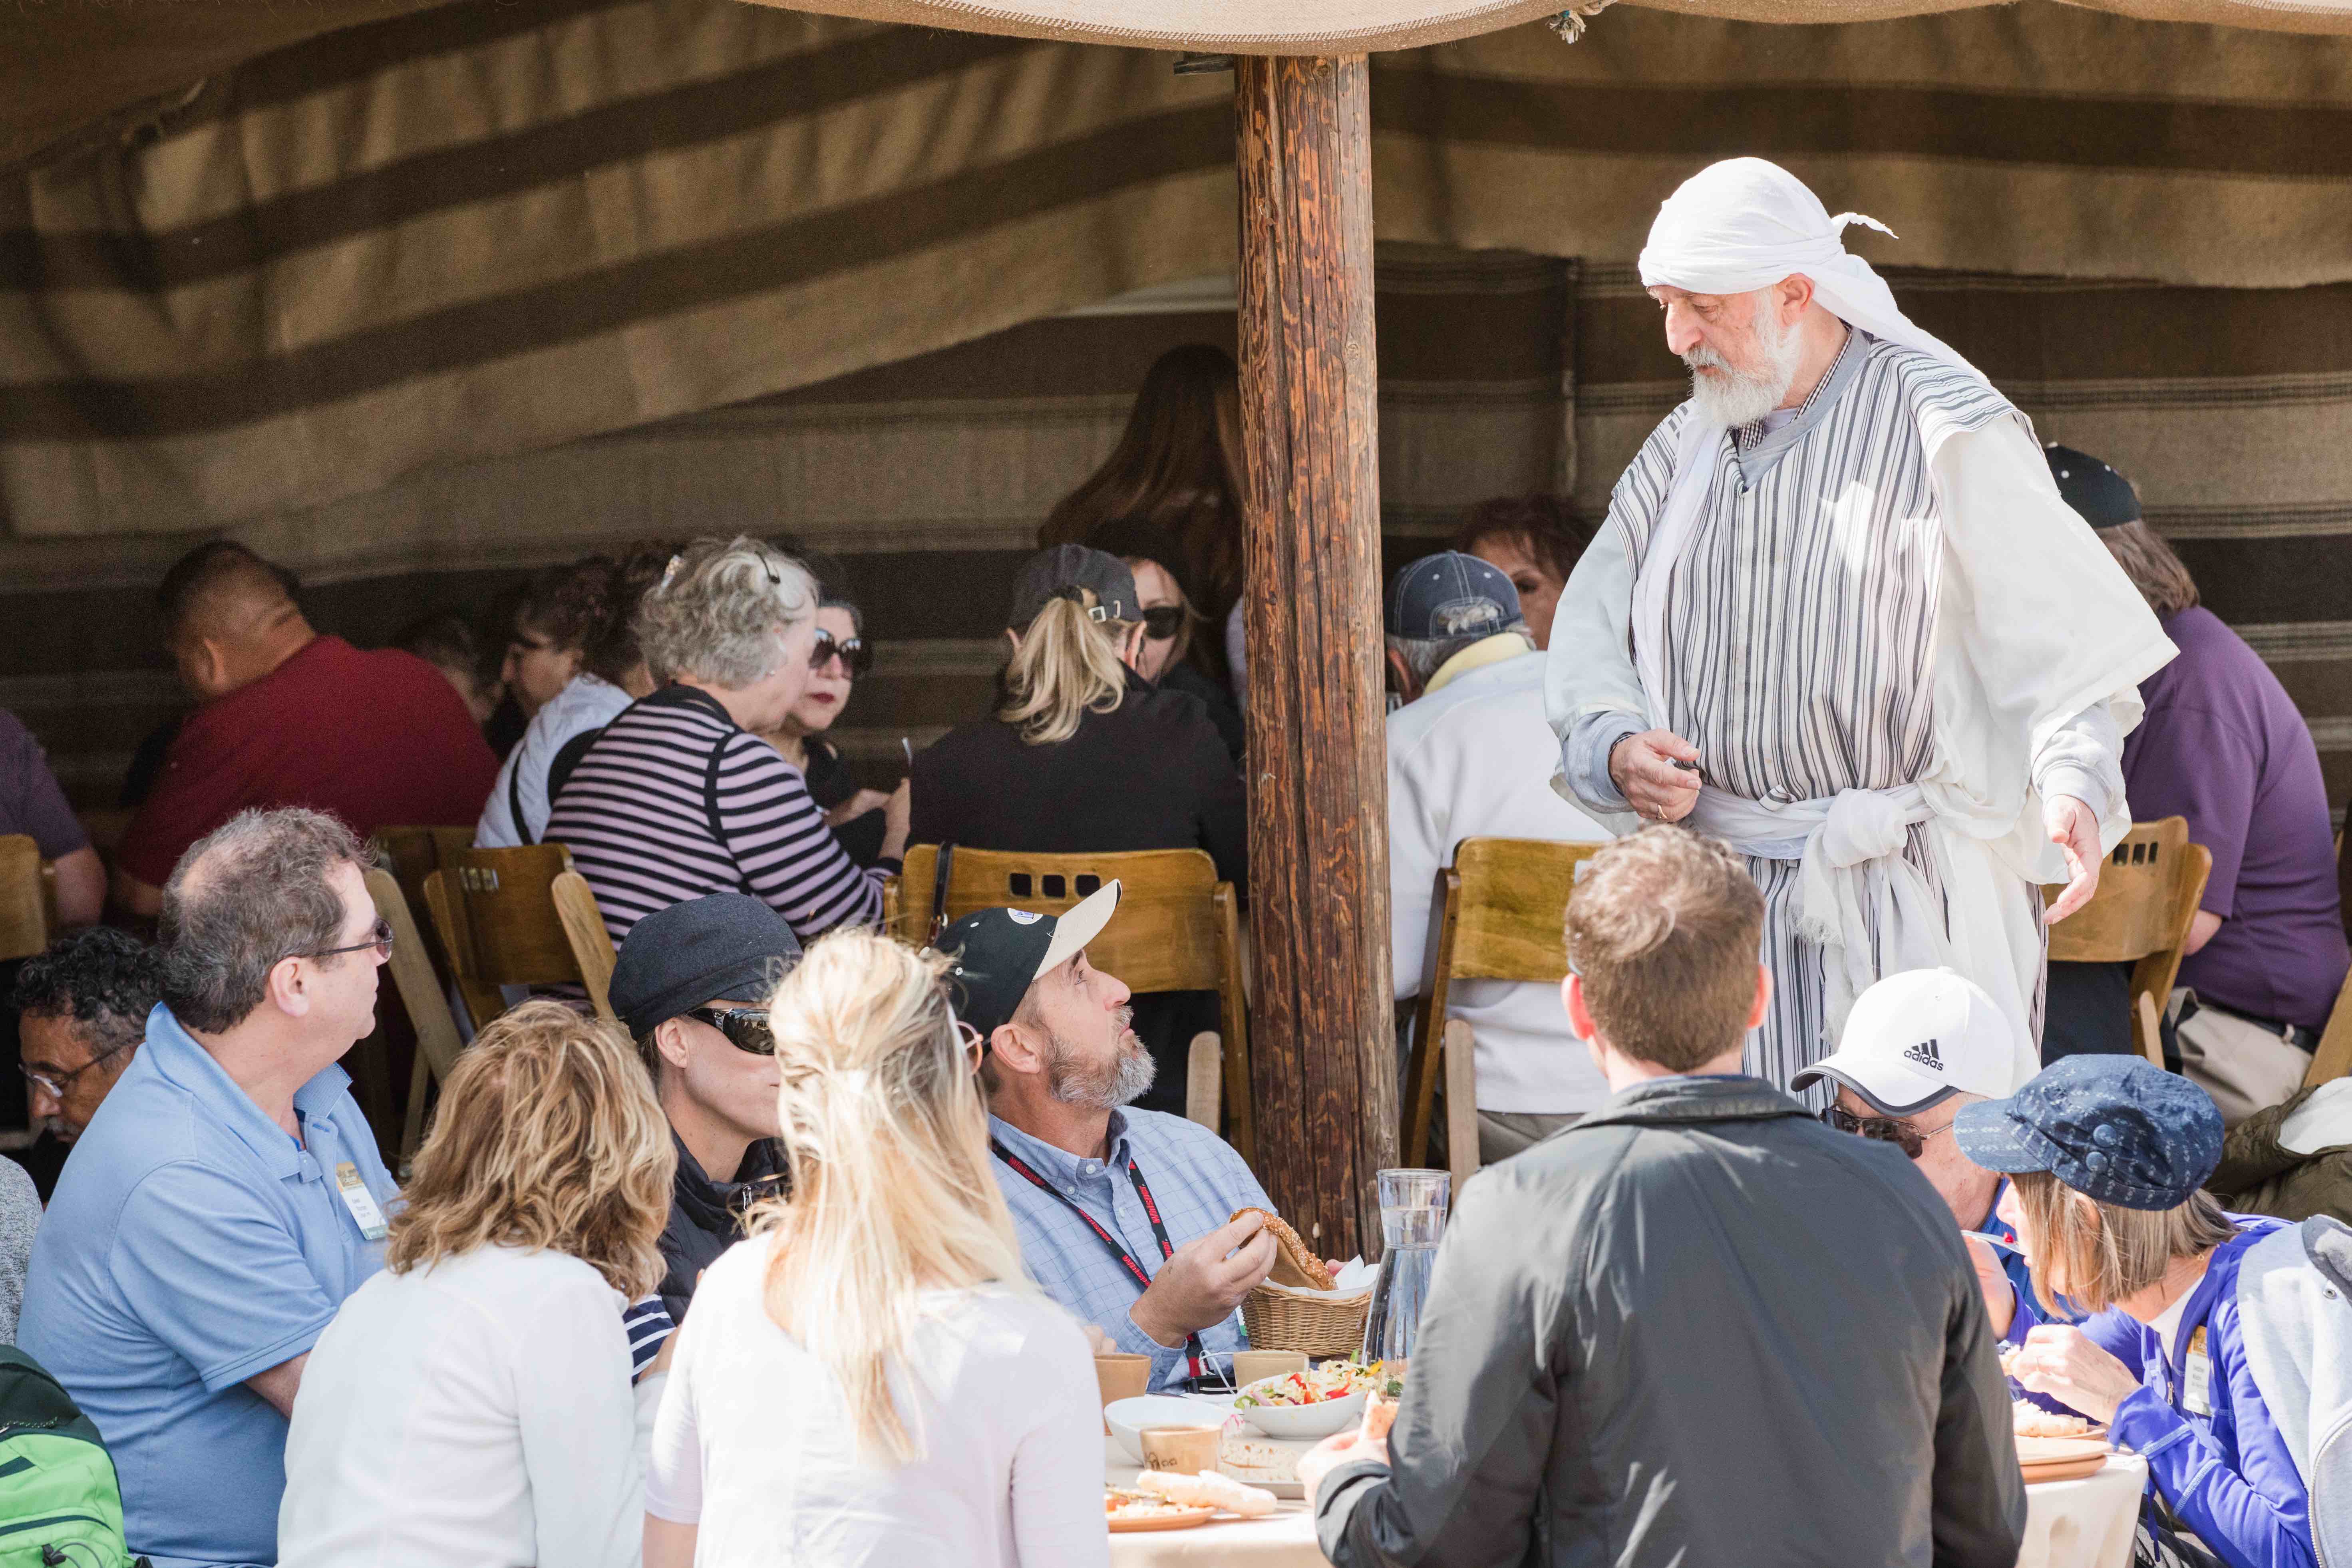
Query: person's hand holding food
(1203, 1281)
(1346, 1448)
(2065, 1364)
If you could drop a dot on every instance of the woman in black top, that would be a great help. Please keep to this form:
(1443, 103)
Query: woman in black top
(1172, 626)
(1083, 754)
(839, 657)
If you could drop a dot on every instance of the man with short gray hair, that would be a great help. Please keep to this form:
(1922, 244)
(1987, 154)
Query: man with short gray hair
(228, 1196)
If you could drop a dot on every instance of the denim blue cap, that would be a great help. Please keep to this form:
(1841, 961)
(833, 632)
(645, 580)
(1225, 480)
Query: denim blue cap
(1450, 595)
(2118, 1130)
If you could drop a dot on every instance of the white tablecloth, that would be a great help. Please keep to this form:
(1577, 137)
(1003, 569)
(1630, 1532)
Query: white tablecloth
(2068, 1524)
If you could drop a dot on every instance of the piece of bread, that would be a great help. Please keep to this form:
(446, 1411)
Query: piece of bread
(1295, 1263)
(1207, 1489)
(1380, 1414)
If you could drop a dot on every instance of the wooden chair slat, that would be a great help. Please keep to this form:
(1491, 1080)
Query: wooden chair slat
(517, 938)
(1499, 914)
(1461, 1102)
(2332, 1057)
(1204, 1069)
(590, 938)
(1177, 929)
(413, 975)
(24, 914)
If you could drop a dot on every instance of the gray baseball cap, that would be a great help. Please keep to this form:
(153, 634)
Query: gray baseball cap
(1061, 572)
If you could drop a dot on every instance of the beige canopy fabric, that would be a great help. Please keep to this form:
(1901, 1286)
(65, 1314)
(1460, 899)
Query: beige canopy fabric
(69, 69)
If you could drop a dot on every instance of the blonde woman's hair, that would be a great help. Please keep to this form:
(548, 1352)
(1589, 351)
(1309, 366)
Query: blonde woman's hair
(1067, 665)
(885, 1137)
(548, 1137)
(2094, 1254)
(720, 610)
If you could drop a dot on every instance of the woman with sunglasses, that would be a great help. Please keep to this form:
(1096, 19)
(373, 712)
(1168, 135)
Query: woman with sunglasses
(873, 1378)
(838, 658)
(1169, 654)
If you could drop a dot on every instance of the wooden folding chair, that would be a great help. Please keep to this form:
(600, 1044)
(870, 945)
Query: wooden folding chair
(26, 897)
(2140, 915)
(1501, 913)
(1178, 929)
(519, 916)
(421, 993)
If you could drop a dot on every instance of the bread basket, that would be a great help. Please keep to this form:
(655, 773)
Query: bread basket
(1281, 1319)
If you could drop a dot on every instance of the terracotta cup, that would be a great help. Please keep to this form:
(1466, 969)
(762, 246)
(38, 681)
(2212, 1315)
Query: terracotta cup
(1251, 1365)
(1185, 1450)
(1122, 1376)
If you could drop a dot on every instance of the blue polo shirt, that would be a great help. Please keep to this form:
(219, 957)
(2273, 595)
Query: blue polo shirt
(192, 1243)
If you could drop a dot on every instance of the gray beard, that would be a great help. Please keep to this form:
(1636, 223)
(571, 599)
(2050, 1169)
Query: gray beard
(1734, 397)
(1121, 1081)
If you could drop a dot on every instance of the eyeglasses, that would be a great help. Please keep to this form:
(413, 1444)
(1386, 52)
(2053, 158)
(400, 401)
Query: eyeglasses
(1162, 621)
(58, 1084)
(856, 655)
(975, 1045)
(1883, 1129)
(746, 1028)
(380, 943)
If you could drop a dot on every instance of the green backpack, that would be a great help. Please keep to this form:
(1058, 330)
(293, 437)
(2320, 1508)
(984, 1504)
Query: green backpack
(60, 1505)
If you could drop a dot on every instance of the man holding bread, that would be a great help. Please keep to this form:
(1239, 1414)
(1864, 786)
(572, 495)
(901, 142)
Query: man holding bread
(1147, 1227)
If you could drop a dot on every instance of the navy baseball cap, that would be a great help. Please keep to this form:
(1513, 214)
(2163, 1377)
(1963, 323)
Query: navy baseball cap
(2118, 1130)
(995, 955)
(2102, 496)
(725, 946)
(1450, 595)
(1060, 573)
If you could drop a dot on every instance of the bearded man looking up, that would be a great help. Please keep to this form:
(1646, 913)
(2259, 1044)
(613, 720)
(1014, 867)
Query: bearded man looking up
(1840, 617)
(1125, 1216)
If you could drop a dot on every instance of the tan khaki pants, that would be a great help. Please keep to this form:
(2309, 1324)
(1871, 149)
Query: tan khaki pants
(2244, 1066)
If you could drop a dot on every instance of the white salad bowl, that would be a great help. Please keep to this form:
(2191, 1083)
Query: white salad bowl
(1125, 1417)
(1299, 1422)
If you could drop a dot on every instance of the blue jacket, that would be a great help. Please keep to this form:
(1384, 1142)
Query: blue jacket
(2225, 1474)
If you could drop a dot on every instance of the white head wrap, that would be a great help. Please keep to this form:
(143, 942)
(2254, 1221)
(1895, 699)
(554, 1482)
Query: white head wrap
(1745, 224)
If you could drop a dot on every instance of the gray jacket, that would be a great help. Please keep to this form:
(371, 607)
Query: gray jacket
(1698, 1328)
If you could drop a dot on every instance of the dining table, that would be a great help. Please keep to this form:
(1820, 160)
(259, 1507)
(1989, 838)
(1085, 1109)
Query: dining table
(2085, 1523)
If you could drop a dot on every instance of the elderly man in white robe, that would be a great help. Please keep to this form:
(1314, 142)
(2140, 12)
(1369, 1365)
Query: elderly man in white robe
(1840, 617)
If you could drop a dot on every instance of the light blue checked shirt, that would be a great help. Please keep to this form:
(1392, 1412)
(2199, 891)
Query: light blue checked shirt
(1196, 1178)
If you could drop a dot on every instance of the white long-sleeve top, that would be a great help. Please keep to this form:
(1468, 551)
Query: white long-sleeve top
(752, 1445)
(1470, 758)
(474, 1414)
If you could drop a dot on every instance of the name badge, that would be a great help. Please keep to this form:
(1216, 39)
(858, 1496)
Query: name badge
(361, 1202)
(2197, 1377)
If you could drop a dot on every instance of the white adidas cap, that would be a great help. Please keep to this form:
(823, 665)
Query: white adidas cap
(1915, 1038)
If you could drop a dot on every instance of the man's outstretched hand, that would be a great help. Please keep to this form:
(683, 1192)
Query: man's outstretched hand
(1643, 768)
(2074, 828)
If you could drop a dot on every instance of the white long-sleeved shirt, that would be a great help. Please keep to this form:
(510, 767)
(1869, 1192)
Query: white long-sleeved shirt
(1471, 758)
(752, 1445)
(586, 702)
(474, 1414)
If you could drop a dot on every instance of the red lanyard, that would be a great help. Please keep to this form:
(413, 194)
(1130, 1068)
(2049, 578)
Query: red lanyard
(1193, 1350)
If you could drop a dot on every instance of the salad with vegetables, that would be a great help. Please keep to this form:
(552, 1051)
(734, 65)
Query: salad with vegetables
(1332, 1380)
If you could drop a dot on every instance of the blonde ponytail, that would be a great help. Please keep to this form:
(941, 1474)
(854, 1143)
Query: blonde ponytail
(886, 1138)
(1067, 666)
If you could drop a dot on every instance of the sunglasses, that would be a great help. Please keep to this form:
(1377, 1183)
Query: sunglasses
(746, 1028)
(1883, 1130)
(856, 655)
(379, 944)
(1162, 621)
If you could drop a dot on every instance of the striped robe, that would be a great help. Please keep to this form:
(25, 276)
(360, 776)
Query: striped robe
(1800, 624)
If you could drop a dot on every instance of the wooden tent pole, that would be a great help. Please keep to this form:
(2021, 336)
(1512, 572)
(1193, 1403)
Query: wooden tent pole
(1320, 1037)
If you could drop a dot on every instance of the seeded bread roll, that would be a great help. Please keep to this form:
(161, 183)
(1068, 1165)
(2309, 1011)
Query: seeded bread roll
(1295, 1263)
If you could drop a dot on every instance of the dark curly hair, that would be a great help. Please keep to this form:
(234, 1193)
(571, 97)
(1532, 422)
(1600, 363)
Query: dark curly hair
(105, 980)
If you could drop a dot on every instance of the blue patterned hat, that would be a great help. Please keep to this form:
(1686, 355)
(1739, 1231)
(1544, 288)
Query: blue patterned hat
(2118, 1130)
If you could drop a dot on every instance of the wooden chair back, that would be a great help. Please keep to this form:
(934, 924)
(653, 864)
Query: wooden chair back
(1177, 928)
(508, 917)
(413, 854)
(25, 903)
(1500, 914)
(2140, 915)
(421, 993)
(2332, 1057)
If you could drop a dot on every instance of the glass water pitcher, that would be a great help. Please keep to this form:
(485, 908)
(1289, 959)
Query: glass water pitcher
(1413, 1217)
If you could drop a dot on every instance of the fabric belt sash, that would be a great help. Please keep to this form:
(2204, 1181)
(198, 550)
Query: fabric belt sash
(1871, 911)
